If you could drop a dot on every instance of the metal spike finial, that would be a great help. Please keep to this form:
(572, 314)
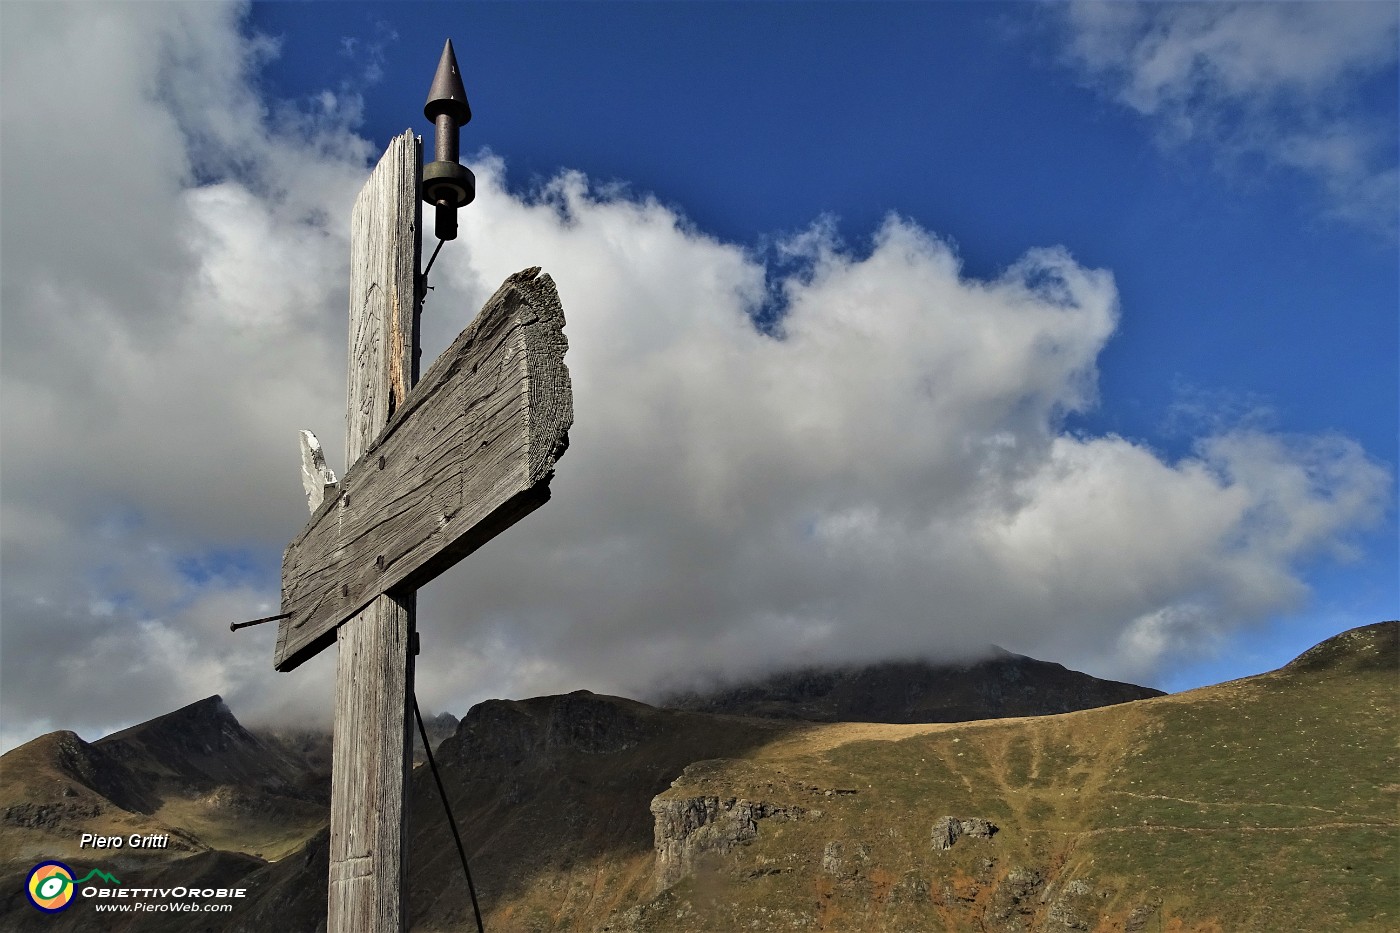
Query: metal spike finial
(447, 184)
(447, 94)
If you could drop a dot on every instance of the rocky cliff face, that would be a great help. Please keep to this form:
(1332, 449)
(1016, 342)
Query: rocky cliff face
(690, 828)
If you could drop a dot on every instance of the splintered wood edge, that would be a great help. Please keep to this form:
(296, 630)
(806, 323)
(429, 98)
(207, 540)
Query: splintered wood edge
(551, 390)
(551, 396)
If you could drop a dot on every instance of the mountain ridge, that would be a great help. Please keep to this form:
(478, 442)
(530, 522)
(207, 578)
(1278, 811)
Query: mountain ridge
(1000, 686)
(587, 812)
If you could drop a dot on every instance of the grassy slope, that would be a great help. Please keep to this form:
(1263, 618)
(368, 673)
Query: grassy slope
(48, 804)
(229, 822)
(1262, 804)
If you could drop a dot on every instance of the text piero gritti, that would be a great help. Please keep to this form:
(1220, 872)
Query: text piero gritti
(134, 841)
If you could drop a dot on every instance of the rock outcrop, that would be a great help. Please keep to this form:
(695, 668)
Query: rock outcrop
(949, 829)
(690, 828)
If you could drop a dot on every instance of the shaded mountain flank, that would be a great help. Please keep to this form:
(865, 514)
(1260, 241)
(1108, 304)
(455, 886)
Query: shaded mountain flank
(1261, 804)
(998, 687)
(195, 774)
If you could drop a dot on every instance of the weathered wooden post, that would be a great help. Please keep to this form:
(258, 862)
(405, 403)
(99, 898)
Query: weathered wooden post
(434, 470)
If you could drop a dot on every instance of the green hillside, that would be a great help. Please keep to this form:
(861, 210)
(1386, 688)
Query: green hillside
(1264, 804)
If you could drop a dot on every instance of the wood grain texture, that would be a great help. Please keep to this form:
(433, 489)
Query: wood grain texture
(382, 362)
(468, 453)
(371, 756)
(371, 759)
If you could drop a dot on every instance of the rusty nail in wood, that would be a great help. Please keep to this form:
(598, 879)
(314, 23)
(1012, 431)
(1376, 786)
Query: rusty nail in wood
(235, 626)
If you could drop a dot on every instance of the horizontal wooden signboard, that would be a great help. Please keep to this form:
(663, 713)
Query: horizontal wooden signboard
(467, 453)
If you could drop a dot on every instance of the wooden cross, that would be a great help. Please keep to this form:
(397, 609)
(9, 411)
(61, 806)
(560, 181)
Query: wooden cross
(436, 468)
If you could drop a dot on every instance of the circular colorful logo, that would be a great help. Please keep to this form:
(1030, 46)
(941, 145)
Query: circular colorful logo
(50, 886)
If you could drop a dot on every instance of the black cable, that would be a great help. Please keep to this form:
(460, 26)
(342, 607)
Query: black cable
(432, 259)
(448, 807)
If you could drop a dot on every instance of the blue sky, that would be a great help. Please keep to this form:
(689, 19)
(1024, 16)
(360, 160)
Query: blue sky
(754, 119)
(1194, 206)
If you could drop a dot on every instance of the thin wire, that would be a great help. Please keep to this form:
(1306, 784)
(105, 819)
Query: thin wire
(431, 261)
(447, 806)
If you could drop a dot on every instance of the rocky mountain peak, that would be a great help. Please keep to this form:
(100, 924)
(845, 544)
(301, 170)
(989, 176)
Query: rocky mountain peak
(207, 724)
(439, 727)
(201, 746)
